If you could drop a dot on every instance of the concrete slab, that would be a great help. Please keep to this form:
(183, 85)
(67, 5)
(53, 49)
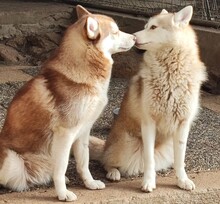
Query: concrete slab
(15, 67)
(207, 191)
(32, 27)
(211, 101)
(13, 75)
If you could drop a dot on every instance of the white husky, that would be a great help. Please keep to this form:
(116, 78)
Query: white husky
(159, 106)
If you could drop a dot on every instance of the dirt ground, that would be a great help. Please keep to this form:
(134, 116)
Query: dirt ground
(207, 192)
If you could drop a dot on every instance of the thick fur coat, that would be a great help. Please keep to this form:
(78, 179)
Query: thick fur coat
(56, 109)
(151, 130)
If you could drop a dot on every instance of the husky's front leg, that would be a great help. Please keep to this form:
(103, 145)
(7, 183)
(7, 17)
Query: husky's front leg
(180, 141)
(81, 154)
(148, 130)
(61, 146)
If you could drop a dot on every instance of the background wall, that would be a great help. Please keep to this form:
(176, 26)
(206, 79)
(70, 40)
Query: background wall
(30, 31)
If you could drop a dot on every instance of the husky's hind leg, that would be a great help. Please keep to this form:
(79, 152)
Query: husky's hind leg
(123, 156)
(113, 174)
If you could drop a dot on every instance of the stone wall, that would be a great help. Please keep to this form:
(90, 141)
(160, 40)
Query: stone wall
(30, 31)
(209, 43)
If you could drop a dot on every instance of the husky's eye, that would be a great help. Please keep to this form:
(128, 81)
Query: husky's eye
(153, 27)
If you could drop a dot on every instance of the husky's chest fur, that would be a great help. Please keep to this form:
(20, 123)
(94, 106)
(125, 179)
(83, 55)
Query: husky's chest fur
(171, 85)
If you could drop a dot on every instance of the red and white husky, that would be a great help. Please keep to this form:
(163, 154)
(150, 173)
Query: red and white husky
(57, 108)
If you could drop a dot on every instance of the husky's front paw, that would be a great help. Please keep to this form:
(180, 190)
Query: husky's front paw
(148, 185)
(113, 174)
(186, 184)
(67, 196)
(94, 184)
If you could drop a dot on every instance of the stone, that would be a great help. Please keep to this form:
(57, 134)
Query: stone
(39, 48)
(54, 37)
(9, 55)
(35, 29)
(16, 42)
(213, 84)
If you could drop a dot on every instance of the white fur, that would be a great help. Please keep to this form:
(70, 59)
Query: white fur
(183, 17)
(162, 100)
(81, 153)
(172, 74)
(163, 155)
(148, 132)
(180, 140)
(16, 176)
(164, 11)
(78, 137)
(62, 142)
(13, 172)
(131, 159)
(116, 41)
(92, 27)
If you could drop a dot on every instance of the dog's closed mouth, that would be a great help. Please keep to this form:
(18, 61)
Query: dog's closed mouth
(124, 48)
(139, 44)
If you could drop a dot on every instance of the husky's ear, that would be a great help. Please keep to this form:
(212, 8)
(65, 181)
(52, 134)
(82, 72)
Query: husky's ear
(164, 11)
(92, 27)
(182, 18)
(81, 11)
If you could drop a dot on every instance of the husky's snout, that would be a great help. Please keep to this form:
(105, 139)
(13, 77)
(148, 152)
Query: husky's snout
(139, 43)
(137, 39)
(134, 38)
(127, 41)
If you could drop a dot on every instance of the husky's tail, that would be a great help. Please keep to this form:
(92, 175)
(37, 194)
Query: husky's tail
(96, 148)
(21, 172)
(164, 156)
